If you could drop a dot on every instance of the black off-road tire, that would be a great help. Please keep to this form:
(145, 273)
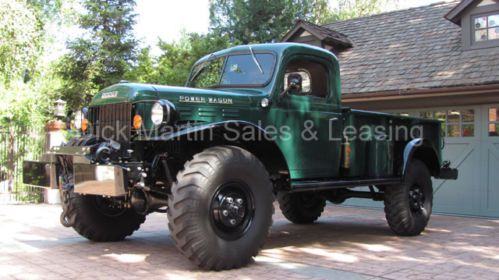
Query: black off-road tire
(405, 214)
(89, 215)
(98, 222)
(301, 208)
(195, 206)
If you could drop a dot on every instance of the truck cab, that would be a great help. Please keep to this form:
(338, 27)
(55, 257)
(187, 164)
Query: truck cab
(253, 123)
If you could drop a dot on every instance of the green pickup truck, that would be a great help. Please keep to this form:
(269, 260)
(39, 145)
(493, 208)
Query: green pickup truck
(253, 124)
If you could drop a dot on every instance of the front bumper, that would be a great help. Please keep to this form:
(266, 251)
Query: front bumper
(89, 178)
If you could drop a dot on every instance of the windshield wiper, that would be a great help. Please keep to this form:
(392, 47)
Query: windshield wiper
(255, 60)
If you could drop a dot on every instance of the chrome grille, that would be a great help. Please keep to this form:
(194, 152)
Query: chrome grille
(112, 121)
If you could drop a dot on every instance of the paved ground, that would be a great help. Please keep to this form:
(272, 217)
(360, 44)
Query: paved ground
(347, 243)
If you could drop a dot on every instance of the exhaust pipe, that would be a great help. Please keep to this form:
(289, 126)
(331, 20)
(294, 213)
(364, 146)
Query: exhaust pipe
(144, 202)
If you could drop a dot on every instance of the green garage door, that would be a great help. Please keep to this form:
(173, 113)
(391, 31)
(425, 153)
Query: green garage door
(472, 145)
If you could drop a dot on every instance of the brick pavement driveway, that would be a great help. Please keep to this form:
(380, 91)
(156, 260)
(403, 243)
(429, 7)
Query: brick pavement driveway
(347, 243)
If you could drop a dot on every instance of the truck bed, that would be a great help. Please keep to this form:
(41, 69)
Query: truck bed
(378, 148)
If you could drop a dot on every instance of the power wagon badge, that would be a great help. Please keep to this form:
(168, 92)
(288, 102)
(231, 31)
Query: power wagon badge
(201, 99)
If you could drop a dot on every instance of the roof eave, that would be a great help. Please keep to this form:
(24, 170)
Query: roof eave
(454, 15)
(394, 94)
(343, 42)
(298, 26)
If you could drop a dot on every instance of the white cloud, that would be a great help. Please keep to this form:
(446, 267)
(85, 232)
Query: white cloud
(166, 19)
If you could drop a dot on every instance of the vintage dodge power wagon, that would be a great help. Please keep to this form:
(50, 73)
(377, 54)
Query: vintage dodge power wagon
(253, 124)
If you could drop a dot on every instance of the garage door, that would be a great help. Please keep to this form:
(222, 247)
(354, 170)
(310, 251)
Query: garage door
(472, 146)
(463, 149)
(490, 155)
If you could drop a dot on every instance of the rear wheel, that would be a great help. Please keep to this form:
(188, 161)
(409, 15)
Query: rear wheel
(220, 210)
(408, 206)
(301, 208)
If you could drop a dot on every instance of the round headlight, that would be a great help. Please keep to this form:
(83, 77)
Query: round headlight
(78, 119)
(265, 103)
(157, 113)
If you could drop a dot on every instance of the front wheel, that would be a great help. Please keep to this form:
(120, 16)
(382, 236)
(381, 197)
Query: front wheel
(220, 210)
(408, 206)
(98, 218)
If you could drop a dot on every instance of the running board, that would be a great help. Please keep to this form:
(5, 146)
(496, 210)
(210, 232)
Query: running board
(304, 186)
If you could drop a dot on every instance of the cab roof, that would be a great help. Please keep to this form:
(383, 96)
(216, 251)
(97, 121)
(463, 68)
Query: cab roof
(277, 48)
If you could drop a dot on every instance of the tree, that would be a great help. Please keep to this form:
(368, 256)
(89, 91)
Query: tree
(347, 9)
(20, 40)
(173, 65)
(145, 70)
(26, 85)
(47, 10)
(261, 21)
(103, 55)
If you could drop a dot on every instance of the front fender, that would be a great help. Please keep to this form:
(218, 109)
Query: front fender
(224, 133)
(232, 126)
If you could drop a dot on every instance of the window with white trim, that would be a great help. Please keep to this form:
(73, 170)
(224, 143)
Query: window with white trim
(486, 27)
(455, 123)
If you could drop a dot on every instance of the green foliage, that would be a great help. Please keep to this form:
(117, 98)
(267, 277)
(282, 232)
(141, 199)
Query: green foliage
(26, 85)
(260, 21)
(173, 65)
(348, 9)
(20, 40)
(28, 104)
(47, 10)
(209, 75)
(103, 55)
(145, 71)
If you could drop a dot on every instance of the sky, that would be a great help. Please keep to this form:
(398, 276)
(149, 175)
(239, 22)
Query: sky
(168, 19)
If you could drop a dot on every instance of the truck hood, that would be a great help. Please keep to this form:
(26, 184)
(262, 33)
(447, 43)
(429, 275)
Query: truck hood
(130, 92)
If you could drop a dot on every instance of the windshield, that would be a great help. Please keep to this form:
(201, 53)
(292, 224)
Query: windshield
(234, 70)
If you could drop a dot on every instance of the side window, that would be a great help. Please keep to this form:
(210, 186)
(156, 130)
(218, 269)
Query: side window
(312, 78)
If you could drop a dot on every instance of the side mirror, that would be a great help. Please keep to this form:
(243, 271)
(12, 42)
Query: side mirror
(294, 82)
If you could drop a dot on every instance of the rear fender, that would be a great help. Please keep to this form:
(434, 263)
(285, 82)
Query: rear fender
(423, 150)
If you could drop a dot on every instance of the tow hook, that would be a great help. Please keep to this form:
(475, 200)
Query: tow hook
(65, 217)
(65, 220)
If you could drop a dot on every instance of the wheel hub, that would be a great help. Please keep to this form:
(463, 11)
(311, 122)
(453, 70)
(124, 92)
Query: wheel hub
(416, 199)
(232, 210)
